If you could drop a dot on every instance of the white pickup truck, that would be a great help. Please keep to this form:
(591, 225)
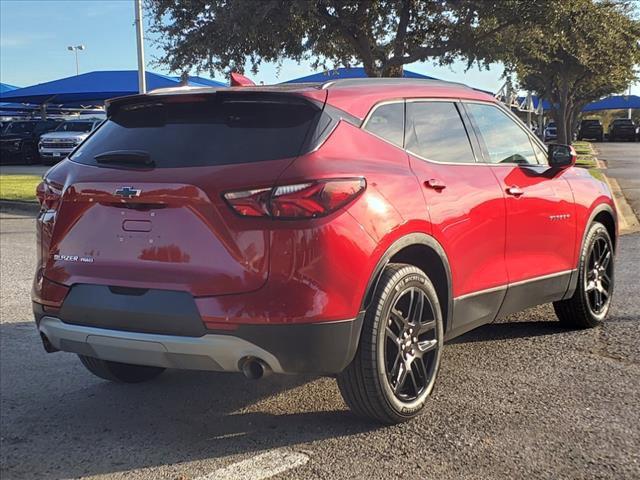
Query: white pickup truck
(56, 145)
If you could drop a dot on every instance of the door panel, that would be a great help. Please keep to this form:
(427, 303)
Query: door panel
(465, 205)
(540, 220)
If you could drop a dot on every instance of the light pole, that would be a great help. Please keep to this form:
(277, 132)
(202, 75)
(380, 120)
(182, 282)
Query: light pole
(75, 49)
(142, 83)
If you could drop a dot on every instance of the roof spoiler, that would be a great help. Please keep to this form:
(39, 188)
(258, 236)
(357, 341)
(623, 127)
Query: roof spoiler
(238, 80)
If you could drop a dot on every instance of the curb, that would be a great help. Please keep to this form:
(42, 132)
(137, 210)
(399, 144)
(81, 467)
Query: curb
(627, 220)
(17, 206)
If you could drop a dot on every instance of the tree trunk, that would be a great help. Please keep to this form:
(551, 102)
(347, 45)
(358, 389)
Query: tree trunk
(395, 71)
(563, 111)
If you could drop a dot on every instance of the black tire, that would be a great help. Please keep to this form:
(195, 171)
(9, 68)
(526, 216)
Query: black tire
(365, 384)
(120, 372)
(26, 154)
(583, 310)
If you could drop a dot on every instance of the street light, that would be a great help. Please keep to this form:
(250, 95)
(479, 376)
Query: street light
(75, 49)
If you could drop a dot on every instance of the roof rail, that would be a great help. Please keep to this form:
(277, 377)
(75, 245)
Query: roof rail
(349, 82)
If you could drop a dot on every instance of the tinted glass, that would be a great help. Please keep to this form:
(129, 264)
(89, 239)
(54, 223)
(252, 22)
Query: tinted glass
(20, 127)
(387, 121)
(506, 142)
(541, 153)
(74, 127)
(623, 121)
(590, 122)
(435, 131)
(216, 130)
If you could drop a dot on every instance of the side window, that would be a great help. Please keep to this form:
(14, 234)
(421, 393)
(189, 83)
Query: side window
(435, 131)
(541, 153)
(506, 142)
(387, 121)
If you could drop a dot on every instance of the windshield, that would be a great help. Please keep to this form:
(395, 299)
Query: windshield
(75, 127)
(623, 121)
(220, 130)
(591, 122)
(20, 127)
(551, 125)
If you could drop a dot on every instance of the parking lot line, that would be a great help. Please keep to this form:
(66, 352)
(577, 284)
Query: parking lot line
(260, 467)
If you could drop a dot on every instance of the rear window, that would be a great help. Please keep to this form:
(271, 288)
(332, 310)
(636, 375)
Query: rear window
(591, 122)
(623, 121)
(75, 127)
(206, 130)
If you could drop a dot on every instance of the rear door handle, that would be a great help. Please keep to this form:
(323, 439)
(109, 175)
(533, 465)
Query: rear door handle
(436, 184)
(515, 191)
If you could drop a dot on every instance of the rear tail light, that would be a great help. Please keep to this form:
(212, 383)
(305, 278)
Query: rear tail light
(296, 201)
(48, 195)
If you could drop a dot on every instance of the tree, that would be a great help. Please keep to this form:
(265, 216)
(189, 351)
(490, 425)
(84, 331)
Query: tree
(577, 52)
(380, 35)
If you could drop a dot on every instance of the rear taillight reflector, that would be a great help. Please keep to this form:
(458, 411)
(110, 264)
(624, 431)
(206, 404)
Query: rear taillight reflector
(48, 196)
(296, 201)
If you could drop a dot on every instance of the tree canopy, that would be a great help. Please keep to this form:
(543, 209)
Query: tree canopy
(380, 35)
(577, 52)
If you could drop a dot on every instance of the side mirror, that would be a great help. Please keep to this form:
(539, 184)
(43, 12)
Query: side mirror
(561, 156)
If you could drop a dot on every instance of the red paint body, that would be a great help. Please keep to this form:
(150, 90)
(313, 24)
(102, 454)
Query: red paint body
(180, 234)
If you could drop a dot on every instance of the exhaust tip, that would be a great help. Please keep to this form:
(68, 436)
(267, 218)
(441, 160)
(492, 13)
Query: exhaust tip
(46, 343)
(254, 369)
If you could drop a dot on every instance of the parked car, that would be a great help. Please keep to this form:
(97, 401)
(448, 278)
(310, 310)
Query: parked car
(591, 129)
(56, 145)
(550, 132)
(18, 140)
(347, 229)
(622, 128)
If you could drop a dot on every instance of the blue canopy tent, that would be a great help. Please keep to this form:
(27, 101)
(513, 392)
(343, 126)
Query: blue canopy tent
(614, 102)
(5, 87)
(353, 72)
(90, 88)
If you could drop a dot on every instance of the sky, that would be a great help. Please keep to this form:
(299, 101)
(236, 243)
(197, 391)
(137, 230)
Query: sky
(34, 36)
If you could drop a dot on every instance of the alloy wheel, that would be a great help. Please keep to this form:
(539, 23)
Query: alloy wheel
(598, 276)
(411, 344)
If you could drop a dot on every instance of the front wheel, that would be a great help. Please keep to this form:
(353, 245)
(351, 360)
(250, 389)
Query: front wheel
(119, 372)
(397, 361)
(590, 303)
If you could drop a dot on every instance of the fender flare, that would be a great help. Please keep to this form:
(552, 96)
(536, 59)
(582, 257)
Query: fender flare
(602, 207)
(399, 244)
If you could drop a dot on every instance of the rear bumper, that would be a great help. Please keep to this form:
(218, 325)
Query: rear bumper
(624, 134)
(324, 348)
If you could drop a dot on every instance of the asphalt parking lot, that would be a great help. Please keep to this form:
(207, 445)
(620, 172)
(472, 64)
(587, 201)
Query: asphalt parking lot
(522, 398)
(623, 164)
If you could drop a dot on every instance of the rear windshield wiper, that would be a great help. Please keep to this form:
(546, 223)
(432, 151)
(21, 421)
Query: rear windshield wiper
(126, 157)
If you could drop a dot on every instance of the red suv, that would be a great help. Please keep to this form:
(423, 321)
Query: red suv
(346, 228)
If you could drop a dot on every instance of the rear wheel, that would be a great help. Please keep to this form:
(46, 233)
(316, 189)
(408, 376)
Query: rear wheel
(397, 361)
(120, 372)
(590, 303)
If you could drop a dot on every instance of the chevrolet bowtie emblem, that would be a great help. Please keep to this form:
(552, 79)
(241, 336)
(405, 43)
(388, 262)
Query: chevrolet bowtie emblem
(128, 192)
